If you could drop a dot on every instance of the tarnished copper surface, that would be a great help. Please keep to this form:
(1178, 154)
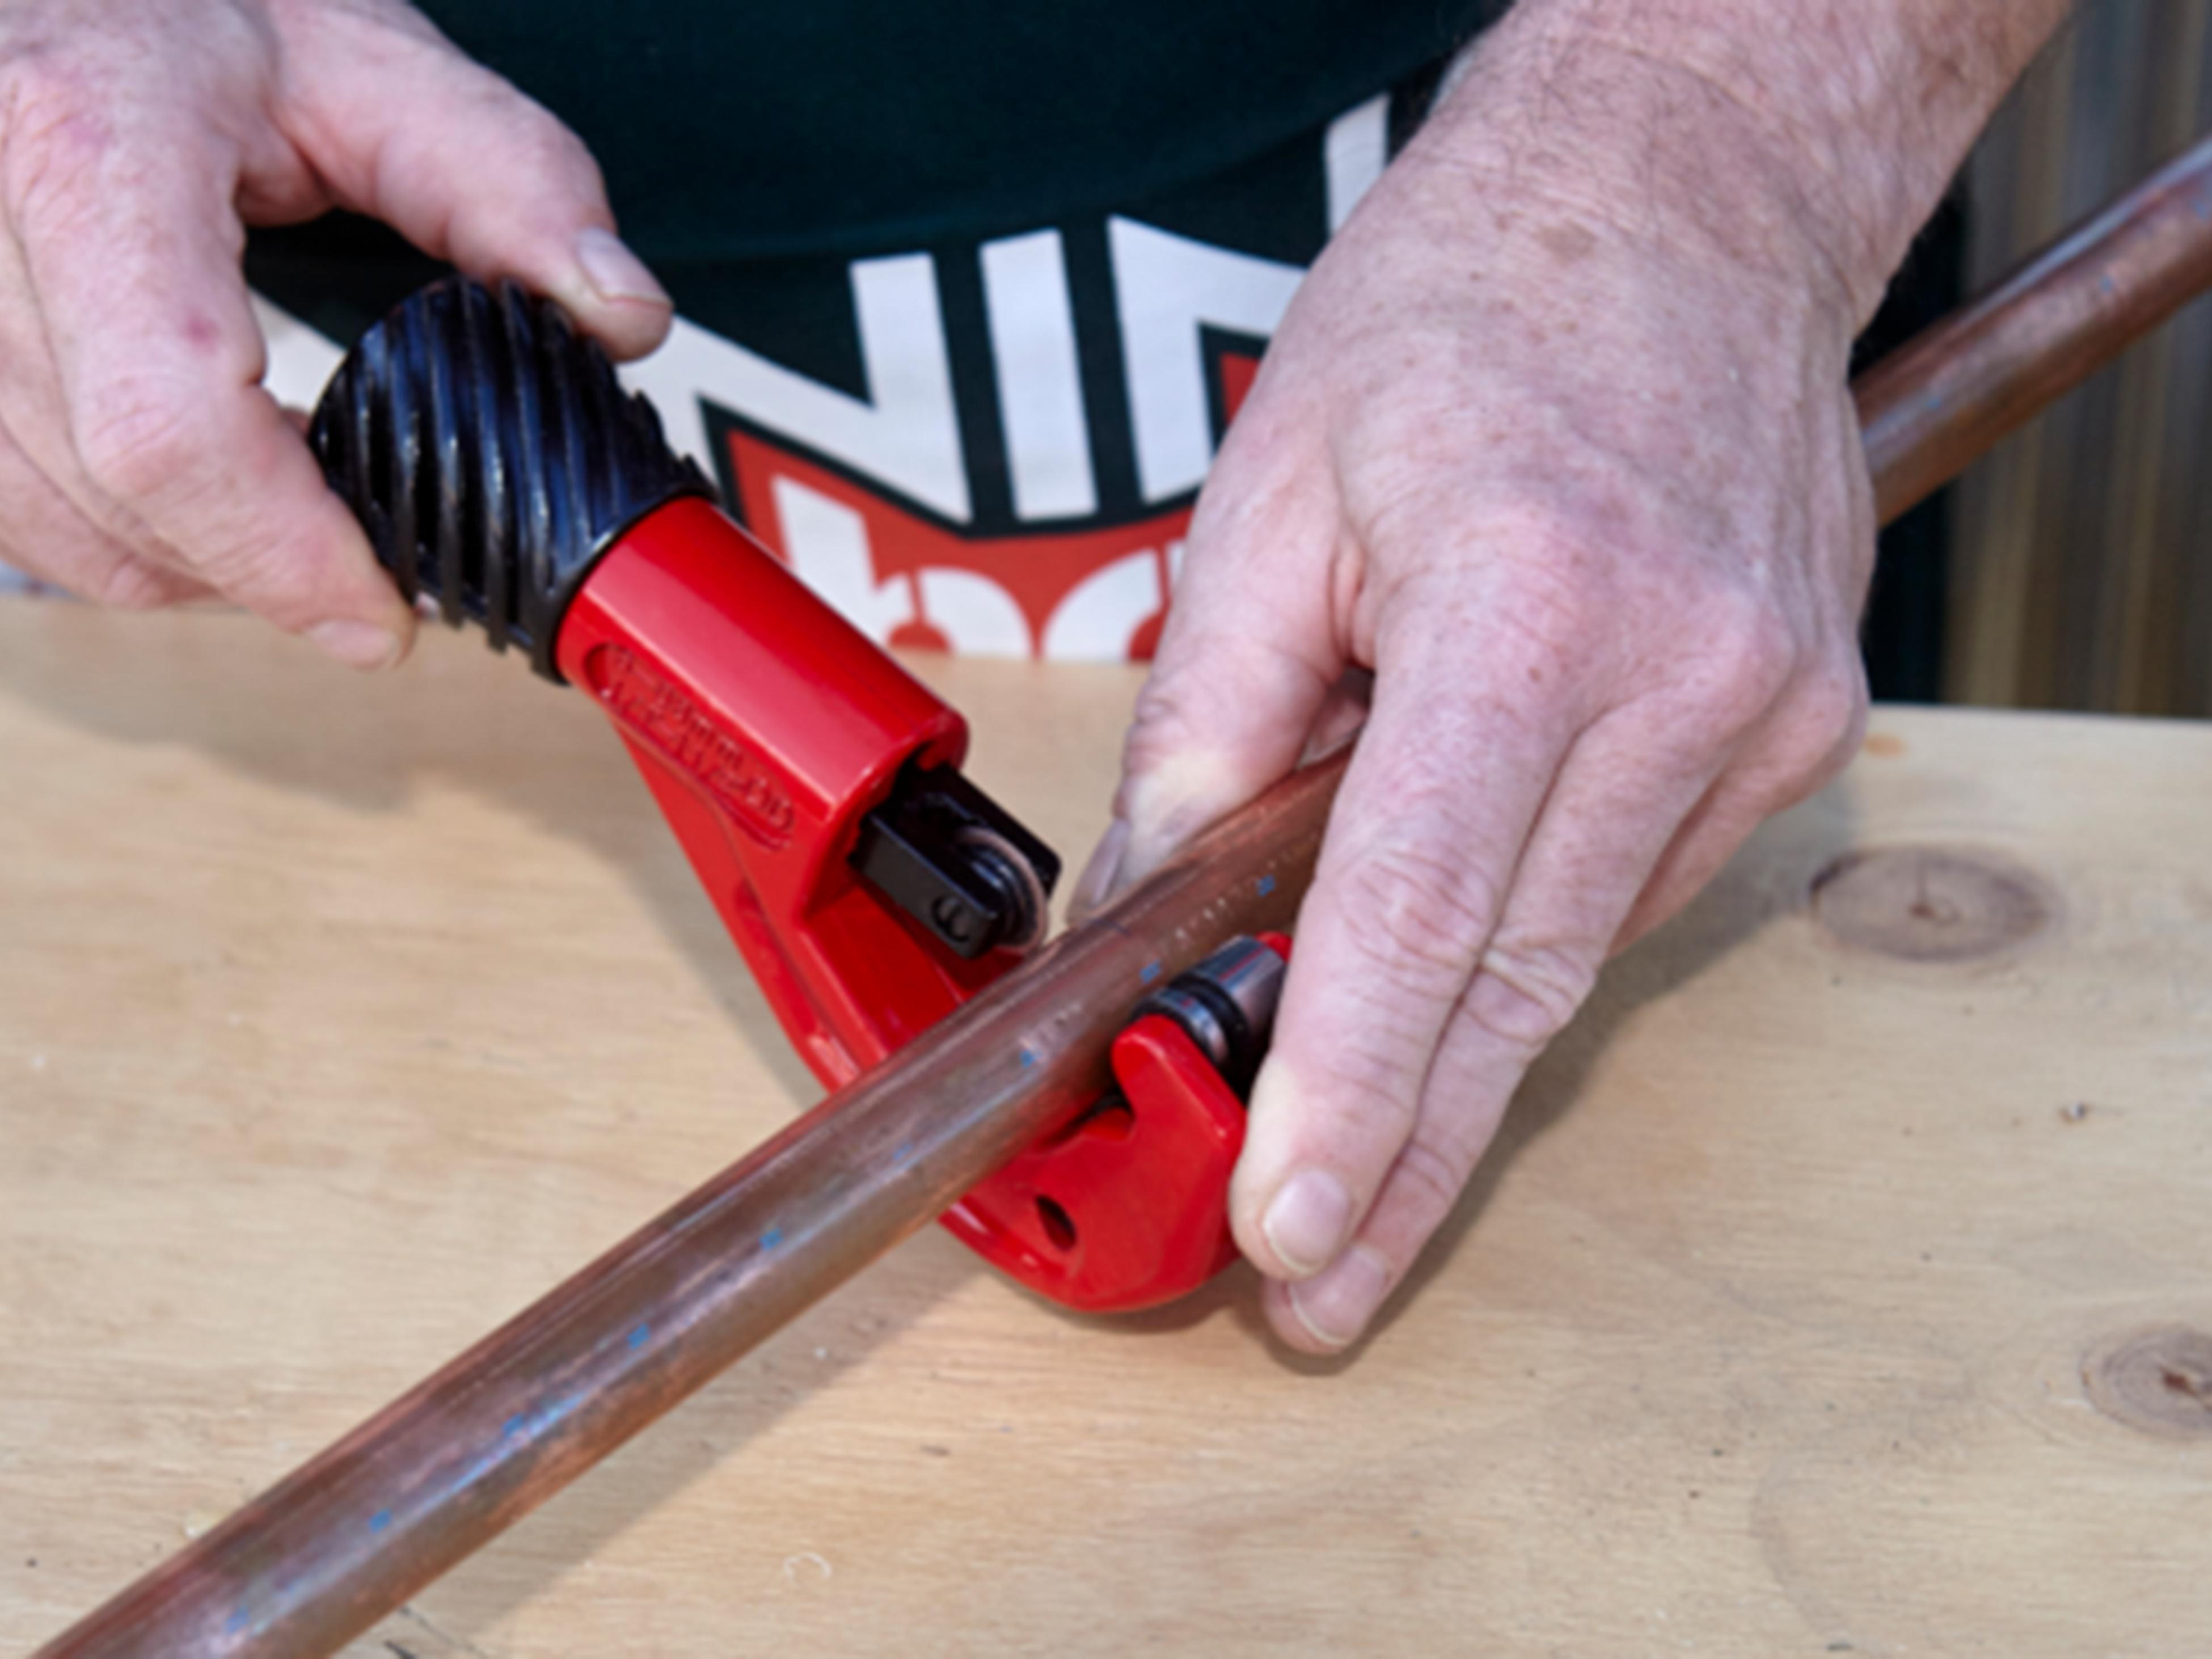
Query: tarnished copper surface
(441, 1470)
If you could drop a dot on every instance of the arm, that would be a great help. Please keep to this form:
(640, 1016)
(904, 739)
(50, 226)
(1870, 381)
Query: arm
(1556, 439)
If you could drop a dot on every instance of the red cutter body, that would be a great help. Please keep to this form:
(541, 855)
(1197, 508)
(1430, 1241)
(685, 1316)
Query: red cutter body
(768, 729)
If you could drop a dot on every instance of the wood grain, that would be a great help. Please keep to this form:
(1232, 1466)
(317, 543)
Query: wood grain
(1808, 1302)
(2079, 566)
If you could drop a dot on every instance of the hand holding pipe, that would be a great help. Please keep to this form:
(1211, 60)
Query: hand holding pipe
(444, 1468)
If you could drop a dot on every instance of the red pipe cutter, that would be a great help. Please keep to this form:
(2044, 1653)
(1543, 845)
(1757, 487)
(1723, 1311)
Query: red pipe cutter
(500, 471)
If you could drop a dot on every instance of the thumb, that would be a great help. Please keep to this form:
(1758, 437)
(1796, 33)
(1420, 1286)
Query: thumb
(404, 127)
(1243, 678)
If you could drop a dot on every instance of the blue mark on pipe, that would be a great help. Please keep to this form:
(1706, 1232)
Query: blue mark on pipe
(771, 1238)
(524, 1426)
(639, 1337)
(537, 1420)
(380, 1521)
(1152, 972)
(1029, 1058)
(235, 1622)
(1266, 885)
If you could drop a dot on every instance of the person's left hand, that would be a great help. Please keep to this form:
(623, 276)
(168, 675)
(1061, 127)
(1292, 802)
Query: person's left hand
(1558, 445)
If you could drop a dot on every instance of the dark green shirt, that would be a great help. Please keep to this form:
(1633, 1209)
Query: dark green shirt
(851, 125)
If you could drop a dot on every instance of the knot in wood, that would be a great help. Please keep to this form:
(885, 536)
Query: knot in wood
(2158, 1380)
(1932, 904)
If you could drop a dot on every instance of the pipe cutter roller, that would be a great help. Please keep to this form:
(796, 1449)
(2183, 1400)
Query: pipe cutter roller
(502, 472)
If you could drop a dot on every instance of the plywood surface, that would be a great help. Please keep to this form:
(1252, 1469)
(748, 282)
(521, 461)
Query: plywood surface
(1841, 1284)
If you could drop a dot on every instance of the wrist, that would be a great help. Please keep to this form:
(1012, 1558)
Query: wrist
(1805, 141)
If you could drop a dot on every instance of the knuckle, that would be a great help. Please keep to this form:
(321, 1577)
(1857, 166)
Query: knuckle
(539, 143)
(1418, 915)
(1831, 704)
(1435, 1178)
(1527, 991)
(1544, 637)
(1824, 722)
(1543, 599)
(1749, 654)
(271, 566)
(129, 585)
(56, 133)
(135, 439)
(563, 155)
(1373, 1071)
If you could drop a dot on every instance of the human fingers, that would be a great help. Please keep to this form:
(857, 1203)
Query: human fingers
(403, 126)
(1449, 778)
(1695, 766)
(1405, 1160)
(1808, 743)
(43, 535)
(1249, 671)
(134, 384)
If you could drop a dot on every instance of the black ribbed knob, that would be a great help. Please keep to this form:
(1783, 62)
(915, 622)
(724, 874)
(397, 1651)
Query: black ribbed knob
(490, 454)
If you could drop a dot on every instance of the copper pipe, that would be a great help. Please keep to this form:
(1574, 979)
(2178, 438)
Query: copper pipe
(1949, 394)
(349, 1536)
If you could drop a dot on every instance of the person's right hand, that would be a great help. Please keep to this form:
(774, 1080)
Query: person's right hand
(141, 462)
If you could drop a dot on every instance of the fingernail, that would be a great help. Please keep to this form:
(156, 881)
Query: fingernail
(1097, 884)
(614, 270)
(1306, 1221)
(1335, 1306)
(357, 644)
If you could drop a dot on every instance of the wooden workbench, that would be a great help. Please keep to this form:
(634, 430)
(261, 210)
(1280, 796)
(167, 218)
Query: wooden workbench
(1844, 1282)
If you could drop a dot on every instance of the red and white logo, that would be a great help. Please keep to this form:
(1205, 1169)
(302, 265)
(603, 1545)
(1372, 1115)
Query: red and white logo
(878, 500)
